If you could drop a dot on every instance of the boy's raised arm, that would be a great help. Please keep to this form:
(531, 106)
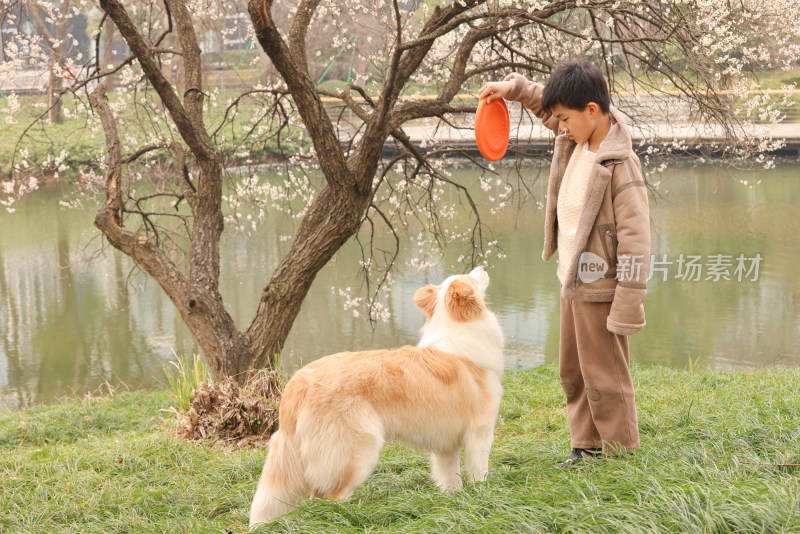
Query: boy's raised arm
(518, 88)
(530, 94)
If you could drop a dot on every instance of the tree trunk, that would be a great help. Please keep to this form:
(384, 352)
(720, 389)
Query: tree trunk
(58, 58)
(108, 54)
(55, 86)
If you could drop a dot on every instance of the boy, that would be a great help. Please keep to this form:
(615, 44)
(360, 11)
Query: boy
(597, 216)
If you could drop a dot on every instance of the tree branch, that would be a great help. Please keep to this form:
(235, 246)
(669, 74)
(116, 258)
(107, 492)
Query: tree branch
(141, 151)
(196, 138)
(309, 105)
(297, 34)
(193, 102)
(113, 203)
(184, 183)
(108, 218)
(366, 156)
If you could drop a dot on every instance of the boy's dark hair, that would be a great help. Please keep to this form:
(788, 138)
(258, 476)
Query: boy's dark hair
(574, 84)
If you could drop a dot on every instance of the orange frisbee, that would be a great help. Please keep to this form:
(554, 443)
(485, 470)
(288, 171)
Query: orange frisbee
(492, 128)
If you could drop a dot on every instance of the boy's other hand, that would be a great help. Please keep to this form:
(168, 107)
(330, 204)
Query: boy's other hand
(495, 90)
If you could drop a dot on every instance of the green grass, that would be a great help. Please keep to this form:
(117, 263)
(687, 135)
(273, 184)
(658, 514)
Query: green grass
(184, 376)
(710, 440)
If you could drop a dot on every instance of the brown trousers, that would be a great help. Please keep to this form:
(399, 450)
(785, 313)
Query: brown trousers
(594, 365)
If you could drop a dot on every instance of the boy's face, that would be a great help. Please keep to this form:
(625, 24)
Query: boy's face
(578, 125)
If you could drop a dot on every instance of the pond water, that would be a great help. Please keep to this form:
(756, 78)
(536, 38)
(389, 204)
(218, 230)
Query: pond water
(72, 319)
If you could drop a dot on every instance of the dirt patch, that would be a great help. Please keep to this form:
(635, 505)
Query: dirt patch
(234, 415)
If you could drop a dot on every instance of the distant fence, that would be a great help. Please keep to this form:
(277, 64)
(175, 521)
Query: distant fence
(25, 82)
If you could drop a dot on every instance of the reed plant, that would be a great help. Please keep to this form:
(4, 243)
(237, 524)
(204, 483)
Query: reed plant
(184, 376)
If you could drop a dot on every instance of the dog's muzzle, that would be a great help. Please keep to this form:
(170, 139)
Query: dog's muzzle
(479, 273)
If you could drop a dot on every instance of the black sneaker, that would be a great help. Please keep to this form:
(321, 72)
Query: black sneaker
(578, 455)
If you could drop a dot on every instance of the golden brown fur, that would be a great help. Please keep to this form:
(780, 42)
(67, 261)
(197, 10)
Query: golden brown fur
(337, 413)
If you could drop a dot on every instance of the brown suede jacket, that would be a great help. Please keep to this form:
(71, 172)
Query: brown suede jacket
(613, 264)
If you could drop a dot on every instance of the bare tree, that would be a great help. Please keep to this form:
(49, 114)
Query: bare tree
(445, 49)
(57, 65)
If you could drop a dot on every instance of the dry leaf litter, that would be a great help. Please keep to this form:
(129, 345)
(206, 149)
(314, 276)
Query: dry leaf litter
(235, 415)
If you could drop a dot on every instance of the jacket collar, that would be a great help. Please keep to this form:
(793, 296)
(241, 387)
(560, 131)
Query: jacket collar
(617, 144)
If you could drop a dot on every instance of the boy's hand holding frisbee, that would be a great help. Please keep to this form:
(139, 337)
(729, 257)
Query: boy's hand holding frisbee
(491, 120)
(494, 90)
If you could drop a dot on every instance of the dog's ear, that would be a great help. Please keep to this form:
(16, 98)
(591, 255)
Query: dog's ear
(461, 301)
(425, 299)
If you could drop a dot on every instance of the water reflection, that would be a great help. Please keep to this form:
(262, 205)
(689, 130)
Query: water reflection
(67, 324)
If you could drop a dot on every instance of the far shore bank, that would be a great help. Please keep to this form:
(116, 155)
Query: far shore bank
(462, 147)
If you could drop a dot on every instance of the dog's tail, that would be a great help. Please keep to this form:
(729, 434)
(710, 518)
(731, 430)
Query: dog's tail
(282, 485)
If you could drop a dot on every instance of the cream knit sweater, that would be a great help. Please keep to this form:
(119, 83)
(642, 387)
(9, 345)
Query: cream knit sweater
(571, 196)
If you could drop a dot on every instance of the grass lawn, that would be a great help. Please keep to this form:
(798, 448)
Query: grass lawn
(711, 445)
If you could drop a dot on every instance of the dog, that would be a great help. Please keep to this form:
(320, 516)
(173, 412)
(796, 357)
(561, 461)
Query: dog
(338, 412)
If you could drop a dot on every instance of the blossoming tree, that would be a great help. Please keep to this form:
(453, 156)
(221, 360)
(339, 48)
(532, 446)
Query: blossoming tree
(164, 198)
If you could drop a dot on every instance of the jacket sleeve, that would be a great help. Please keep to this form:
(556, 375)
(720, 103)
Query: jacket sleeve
(530, 94)
(632, 216)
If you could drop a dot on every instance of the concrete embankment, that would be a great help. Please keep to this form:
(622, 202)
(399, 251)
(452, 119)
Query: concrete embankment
(531, 138)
